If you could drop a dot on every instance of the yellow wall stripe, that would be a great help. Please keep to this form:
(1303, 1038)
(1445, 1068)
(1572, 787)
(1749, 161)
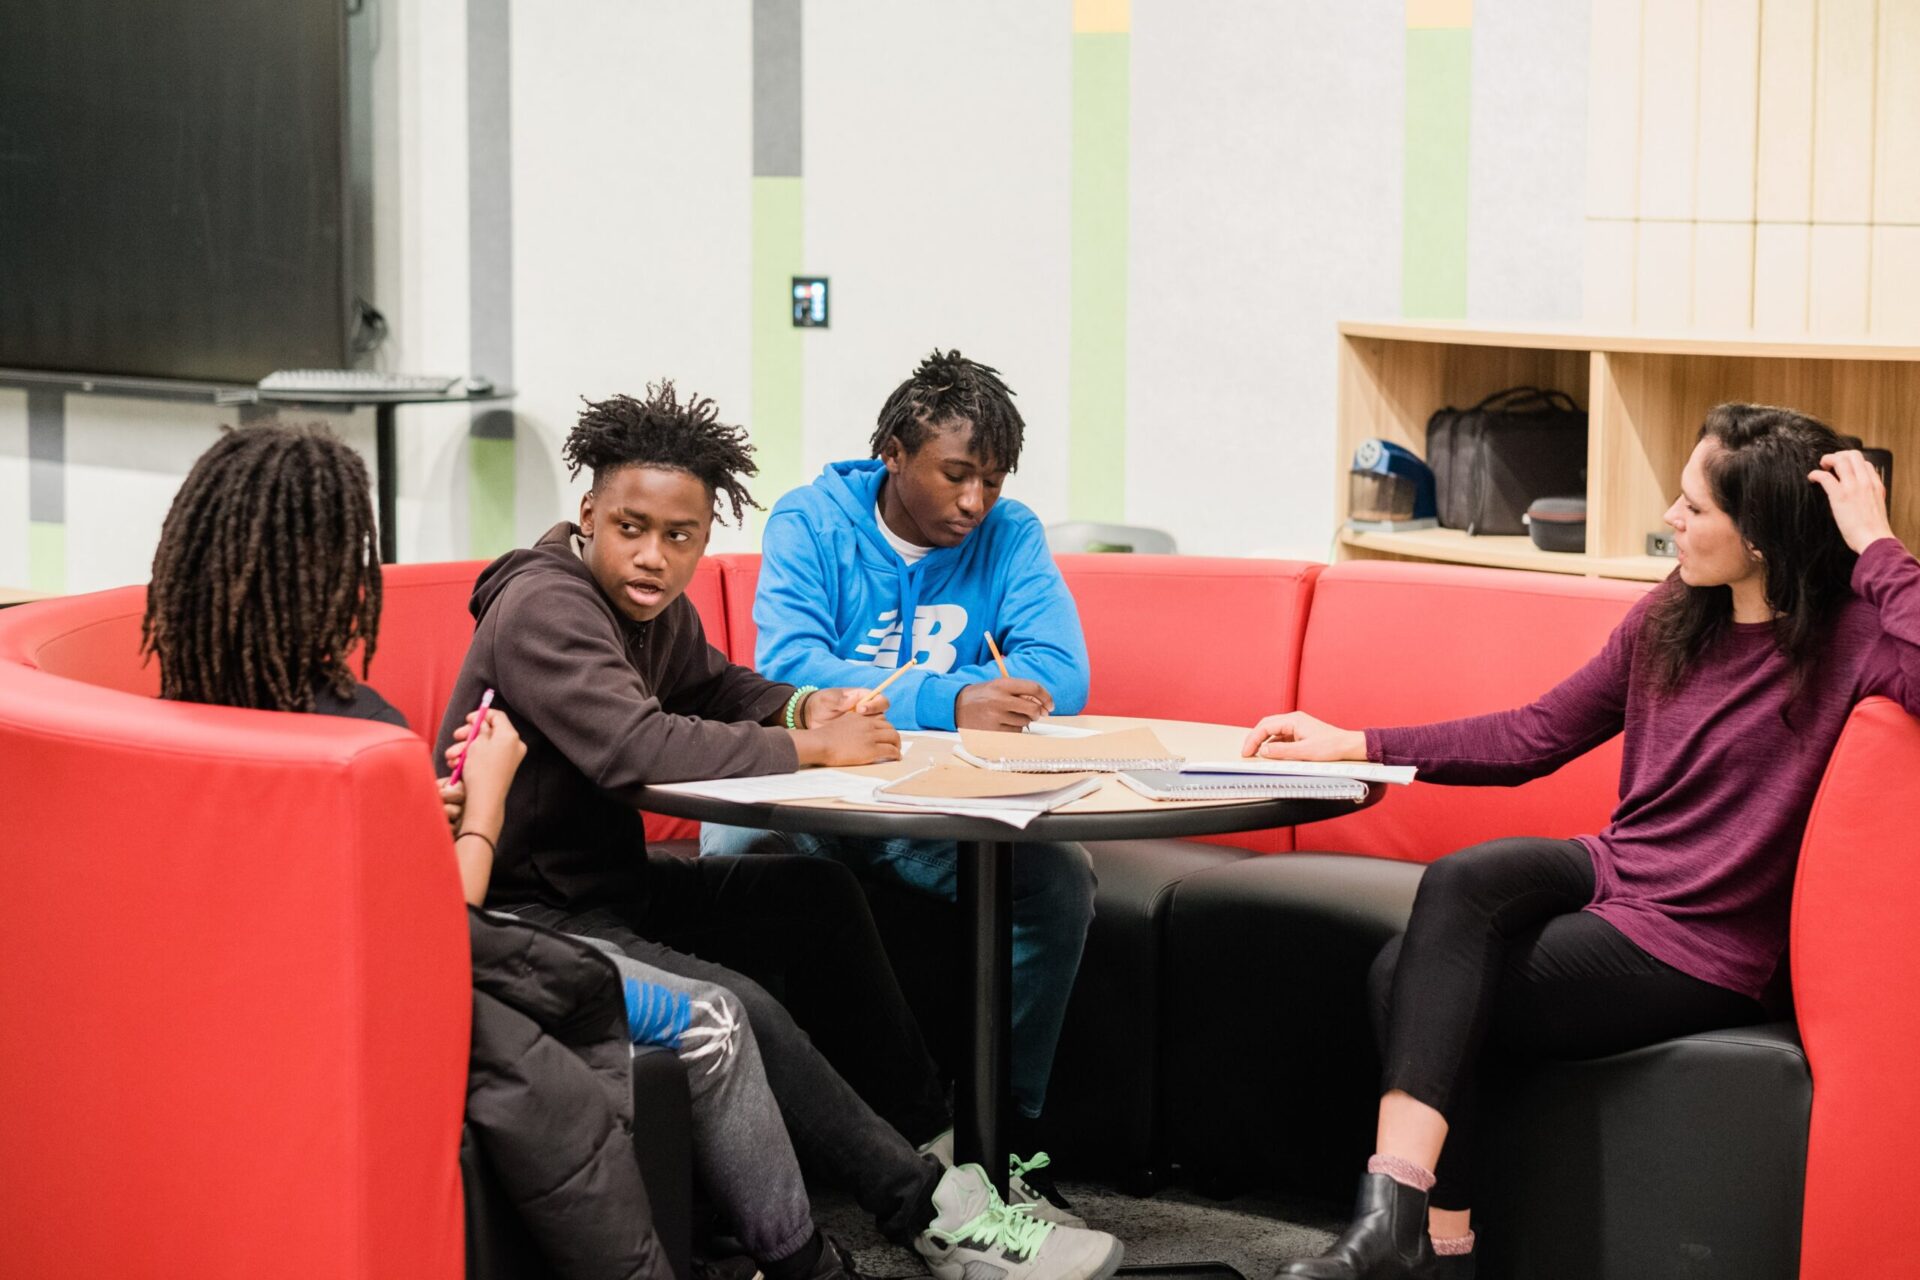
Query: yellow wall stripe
(1439, 13)
(1112, 17)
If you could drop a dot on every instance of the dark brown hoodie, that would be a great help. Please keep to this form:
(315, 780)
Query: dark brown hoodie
(606, 706)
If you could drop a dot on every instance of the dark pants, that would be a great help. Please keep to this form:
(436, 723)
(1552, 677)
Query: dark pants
(717, 919)
(1499, 956)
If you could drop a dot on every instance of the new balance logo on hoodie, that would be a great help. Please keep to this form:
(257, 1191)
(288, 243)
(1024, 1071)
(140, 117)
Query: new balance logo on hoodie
(935, 628)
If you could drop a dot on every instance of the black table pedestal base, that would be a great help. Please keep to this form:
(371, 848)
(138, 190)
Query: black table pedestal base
(985, 873)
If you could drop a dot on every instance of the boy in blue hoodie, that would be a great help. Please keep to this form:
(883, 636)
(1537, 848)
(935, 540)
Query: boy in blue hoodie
(918, 533)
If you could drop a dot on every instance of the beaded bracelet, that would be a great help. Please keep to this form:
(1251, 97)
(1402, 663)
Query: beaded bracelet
(793, 704)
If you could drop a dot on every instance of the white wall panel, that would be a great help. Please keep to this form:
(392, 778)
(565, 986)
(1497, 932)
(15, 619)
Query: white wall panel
(1895, 305)
(1663, 276)
(1896, 169)
(1843, 111)
(1609, 274)
(1526, 170)
(938, 178)
(1266, 207)
(632, 136)
(1723, 277)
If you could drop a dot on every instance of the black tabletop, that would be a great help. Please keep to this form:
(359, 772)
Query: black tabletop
(1163, 822)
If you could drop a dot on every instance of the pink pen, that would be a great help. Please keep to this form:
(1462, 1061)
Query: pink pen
(486, 703)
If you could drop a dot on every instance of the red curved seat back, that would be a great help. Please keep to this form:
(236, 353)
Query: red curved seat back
(1398, 643)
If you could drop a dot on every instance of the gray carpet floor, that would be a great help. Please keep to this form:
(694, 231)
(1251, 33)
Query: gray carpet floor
(1251, 1234)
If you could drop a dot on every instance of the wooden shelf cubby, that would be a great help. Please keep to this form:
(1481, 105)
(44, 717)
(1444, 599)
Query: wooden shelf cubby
(1645, 396)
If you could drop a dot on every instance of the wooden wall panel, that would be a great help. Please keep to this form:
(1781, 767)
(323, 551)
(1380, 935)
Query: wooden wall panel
(1729, 122)
(1663, 276)
(1894, 307)
(1843, 111)
(1669, 105)
(1613, 110)
(1784, 180)
(1780, 278)
(1609, 273)
(1896, 123)
(1723, 277)
(1838, 262)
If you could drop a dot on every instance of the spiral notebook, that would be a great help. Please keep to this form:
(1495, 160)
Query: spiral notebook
(1097, 753)
(1163, 784)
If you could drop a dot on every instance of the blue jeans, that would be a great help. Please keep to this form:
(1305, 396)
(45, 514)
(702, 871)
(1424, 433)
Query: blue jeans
(1052, 908)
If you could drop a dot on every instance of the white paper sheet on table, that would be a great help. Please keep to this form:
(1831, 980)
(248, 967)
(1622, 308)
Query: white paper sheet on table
(774, 788)
(1046, 730)
(1015, 818)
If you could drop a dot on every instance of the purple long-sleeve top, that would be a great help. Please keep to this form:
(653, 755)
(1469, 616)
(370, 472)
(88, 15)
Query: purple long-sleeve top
(1696, 866)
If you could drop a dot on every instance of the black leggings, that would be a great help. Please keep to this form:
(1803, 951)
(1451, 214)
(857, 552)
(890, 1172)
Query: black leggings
(1499, 955)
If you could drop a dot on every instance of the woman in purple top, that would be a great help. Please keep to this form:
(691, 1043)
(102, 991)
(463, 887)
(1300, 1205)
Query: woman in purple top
(1731, 682)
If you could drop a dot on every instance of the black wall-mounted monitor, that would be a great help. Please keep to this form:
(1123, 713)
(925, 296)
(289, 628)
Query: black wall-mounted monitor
(174, 187)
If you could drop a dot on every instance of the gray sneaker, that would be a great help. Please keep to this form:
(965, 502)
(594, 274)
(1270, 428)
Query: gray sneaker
(975, 1236)
(1030, 1189)
(1038, 1197)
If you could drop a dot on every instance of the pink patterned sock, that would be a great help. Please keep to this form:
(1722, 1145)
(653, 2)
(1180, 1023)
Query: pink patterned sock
(1453, 1246)
(1404, 1172)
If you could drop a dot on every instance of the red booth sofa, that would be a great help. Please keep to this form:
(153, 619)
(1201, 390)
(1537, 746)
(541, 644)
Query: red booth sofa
(260, 914)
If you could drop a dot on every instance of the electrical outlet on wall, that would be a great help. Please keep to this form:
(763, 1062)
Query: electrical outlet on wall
(1660, 544)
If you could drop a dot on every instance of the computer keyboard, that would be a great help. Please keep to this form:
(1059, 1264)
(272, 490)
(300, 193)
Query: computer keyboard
(349, 381)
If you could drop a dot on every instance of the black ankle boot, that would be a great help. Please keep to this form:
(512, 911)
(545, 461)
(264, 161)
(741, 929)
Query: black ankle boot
(1387, 1239)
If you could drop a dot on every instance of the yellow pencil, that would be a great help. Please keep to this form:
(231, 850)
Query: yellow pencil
(997, 658)
(872, 693)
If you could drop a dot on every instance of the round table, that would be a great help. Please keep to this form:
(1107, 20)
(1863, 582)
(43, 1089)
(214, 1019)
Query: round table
(985, 882)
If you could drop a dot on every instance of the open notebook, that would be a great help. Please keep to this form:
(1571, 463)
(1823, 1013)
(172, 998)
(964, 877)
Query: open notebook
(1158, 784)
(1097, 753)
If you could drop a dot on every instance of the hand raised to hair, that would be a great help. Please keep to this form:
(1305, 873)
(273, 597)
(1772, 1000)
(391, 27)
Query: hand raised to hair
(1858, 497)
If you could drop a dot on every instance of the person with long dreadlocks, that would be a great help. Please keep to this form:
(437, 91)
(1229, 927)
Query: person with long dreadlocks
(264, 589)
(912, 555)
(591, 646)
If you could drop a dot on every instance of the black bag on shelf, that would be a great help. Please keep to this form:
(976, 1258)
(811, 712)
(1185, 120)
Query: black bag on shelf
(1489, 462)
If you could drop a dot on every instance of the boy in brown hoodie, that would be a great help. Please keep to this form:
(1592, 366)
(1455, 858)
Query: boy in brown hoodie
(591, 647)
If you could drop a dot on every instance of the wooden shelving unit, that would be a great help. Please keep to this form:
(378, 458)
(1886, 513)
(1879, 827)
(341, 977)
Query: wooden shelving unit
(1645, 396)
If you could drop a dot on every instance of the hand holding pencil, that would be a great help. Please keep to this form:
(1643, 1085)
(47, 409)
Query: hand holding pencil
(1007, 704)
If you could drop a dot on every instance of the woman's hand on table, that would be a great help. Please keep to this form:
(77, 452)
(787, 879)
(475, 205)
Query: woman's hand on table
(1296, 735)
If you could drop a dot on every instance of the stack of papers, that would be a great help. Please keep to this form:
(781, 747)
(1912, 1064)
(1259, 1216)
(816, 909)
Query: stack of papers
(1015, 799)
(1047, 753)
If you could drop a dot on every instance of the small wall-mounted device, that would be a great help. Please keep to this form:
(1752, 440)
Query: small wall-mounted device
(1660, 544)
(809, 302)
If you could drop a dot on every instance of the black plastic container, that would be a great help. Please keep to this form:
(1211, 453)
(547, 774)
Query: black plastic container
(1558, 524)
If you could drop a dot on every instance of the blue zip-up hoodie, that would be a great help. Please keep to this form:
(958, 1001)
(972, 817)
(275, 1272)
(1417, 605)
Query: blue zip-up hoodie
(833, 591)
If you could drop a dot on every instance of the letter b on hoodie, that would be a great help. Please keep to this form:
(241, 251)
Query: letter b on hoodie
(935, 628)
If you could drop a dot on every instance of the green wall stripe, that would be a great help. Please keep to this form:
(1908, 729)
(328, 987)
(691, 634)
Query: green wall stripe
(1097, 373)
(490, 478)
(778, 244)
(1433, 267)
(46, 556)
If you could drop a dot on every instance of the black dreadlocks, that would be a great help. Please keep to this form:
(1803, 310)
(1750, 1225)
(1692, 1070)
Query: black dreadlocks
(948, 388)
(265, 577)
(662, 432)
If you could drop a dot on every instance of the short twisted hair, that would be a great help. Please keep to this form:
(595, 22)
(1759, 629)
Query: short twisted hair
(663, 431)
(265, 579)
(950, 389)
